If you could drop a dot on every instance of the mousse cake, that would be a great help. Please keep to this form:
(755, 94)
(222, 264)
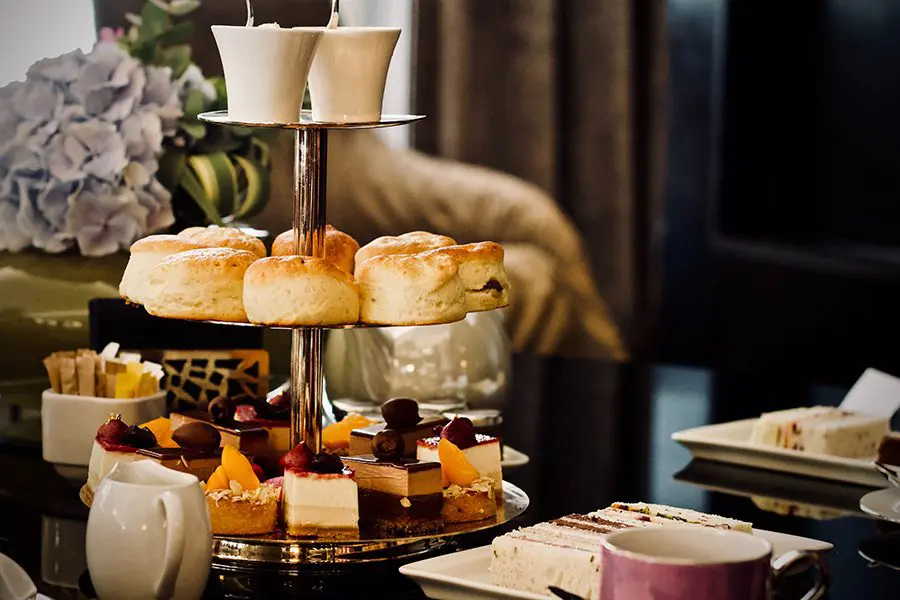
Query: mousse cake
(115, 442)
(821, 430)
(566, 552)
(481, 451)
(400, 414)
(249, 438)
(238, 503)
(320, 495)
(196, 450)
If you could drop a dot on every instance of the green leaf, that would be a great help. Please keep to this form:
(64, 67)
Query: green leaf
(179, 34)
(179, 8)
(191, 185)
(195, 103)
(178, 58)
(195, 129)
(154, 22)
(171, 169)
(219, 178)
(257, 192)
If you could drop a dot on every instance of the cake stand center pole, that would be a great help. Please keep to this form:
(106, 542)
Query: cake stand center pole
(310, 168)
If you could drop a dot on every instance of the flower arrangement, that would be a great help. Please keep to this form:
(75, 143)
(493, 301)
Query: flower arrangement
(94, 147)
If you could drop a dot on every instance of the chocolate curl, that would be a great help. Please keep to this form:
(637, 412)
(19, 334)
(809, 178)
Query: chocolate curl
(51, 363)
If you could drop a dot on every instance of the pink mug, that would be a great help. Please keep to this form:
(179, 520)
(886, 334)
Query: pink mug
(685, 563)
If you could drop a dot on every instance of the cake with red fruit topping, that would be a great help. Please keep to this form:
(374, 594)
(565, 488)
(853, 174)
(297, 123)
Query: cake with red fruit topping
(320, 495)
(115, 442)
(238, 503)
(481, 451)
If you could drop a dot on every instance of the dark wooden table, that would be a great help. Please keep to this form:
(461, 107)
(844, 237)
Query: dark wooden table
(595, 432)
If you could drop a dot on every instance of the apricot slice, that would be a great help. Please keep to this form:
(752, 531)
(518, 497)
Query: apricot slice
(337, 435)
(218, 480)
(454, 464)
(161, 427)
(238, 468)
(166, 441)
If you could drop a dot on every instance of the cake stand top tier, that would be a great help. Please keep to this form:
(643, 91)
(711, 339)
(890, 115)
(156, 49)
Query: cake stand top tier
(220, 117)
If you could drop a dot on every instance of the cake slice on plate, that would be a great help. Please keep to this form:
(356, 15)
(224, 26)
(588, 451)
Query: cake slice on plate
(821, 430)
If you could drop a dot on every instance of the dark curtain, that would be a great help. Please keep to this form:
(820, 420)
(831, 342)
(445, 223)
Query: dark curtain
(571, 96)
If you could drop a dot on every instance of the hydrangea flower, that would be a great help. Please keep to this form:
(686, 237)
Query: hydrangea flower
(79, 145)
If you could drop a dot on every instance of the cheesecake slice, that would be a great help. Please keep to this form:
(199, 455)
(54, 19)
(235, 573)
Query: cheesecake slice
(481, 451)
(320, 496)
(115, 442)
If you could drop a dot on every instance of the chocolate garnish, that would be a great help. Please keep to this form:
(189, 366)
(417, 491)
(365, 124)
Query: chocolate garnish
(388, 445)
(461, 432)
(138, 437)
(401, 413)
(326, 464)
(112, 431)
(221, 410)
(197, 436)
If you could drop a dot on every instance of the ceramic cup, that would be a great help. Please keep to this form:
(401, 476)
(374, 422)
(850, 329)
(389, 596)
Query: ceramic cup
(687, 563)
(266, 69)
(148, 534)
(346, 82)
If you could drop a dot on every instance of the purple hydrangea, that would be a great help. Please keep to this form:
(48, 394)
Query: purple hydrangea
(80, 140)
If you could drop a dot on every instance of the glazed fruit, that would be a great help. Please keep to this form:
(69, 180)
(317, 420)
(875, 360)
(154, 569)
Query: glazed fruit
(197, 436)
(298, 459)
(161, 428)
(138, 437)
(337, 435)
(388, 445)
(221, 410)
(401, 413)
(238, 468)
(218, 480)
(461, 432)
(325, 464)
(112, 431)
(454, 464)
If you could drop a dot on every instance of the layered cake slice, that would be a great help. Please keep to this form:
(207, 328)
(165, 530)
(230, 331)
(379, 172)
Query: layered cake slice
(115, 442)
(821, 430)
(194, 450)
(249, 438)
(566, 552)
(681, 515)
(397, 496)
(481, 451)
(238, 503)
(402, 415)
(320, 495)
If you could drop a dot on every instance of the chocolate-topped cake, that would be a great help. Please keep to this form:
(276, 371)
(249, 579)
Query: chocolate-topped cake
(248, 437)
(404, 413)
(197, 451)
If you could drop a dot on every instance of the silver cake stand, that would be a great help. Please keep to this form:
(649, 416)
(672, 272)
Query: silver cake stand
(279, 550)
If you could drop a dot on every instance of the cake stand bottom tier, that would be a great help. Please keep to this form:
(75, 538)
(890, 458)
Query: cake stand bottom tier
(284, 552)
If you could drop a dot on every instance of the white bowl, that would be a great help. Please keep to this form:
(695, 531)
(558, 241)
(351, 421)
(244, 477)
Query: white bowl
(69, 423)
(348, 75)
(266, 70)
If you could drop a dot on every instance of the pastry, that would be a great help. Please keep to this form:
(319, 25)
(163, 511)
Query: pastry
(340, 248)
(397, 496)
(407, 243)
(115, 442)
(482, 272)
(205, 284)
(145, 254)
(416, 289)
(822, 430)
(467, 495)
(249, 438)
(238, 503)
(400, 414)
(566, 552)
(481, 451)
(336, 437)
(224, 237)
(299, 290)
(320, 495)
(196, 450)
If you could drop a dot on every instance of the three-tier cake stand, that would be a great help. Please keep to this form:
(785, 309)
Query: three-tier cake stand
(306, 380)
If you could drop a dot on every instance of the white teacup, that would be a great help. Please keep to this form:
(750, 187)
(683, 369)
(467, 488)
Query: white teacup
(348, 75)
(148, 534)
(266, 69)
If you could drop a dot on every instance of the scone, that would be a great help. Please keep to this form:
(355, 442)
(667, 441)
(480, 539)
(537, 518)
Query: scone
(408, 243)
(200, 285)
(340, 248)
(224, 237)
(417, 289)
(299, 290)
(482, 272)
(145, 253)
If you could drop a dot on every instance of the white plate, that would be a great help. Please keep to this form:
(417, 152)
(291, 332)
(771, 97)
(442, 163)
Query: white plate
(728, 442)
(465, 576)
(512, 458)
(884, 504)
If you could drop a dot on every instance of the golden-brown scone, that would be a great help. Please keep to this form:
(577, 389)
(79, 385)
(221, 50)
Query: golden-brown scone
(340, 248)
(482, 272)
(410, 289)
(145, 253)
(300, 290)
(224, 237)
(201, 285)
(407, 243)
